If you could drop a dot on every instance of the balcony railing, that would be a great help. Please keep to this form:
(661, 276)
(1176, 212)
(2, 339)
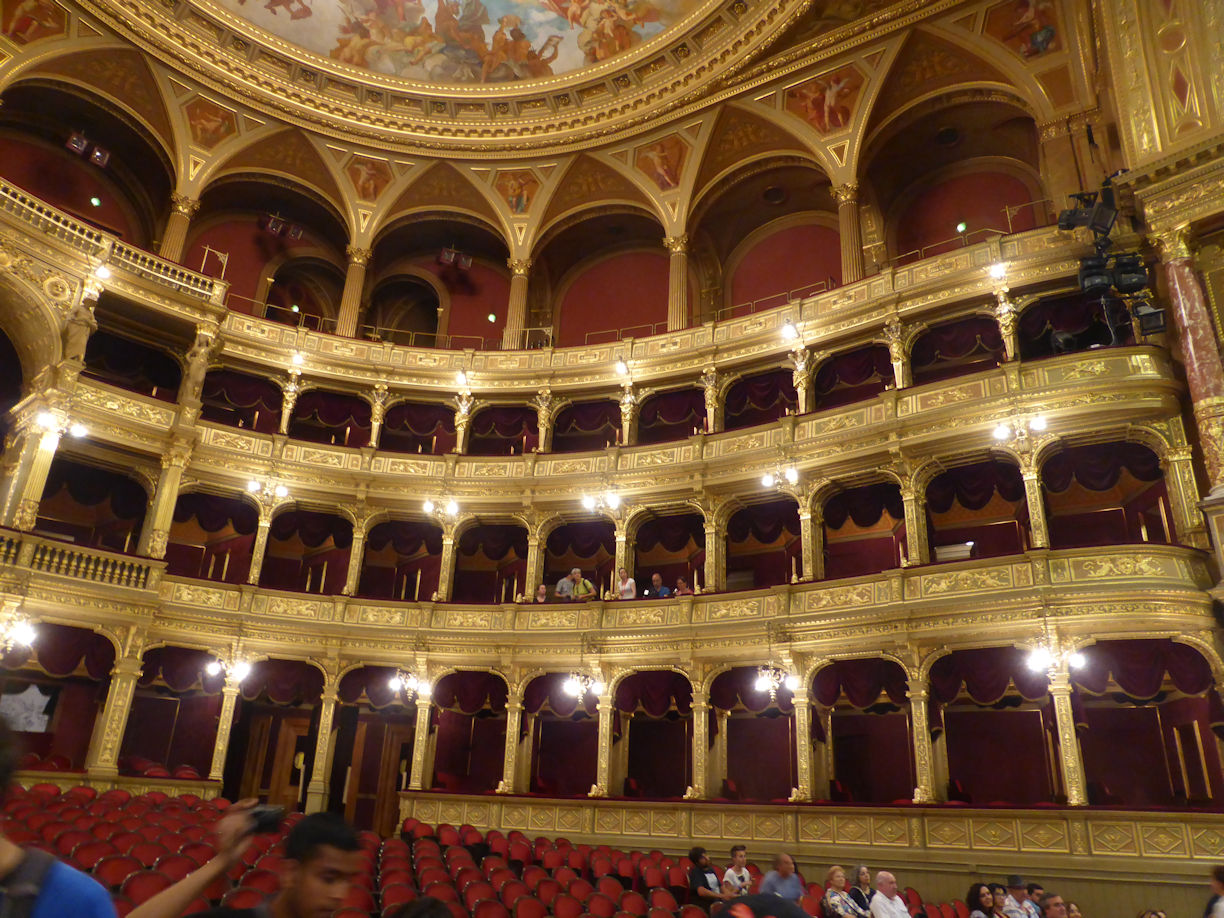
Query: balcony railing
(94, 565)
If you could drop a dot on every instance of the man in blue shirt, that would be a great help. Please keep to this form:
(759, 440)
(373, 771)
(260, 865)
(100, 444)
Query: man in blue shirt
(782, 880)
(657, 590)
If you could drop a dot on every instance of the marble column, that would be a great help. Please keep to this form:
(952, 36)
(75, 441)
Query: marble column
(811, 537)
(354, 285)
(225, 725)
(1200, 349)
(803, 746)
(155, 533)
(677, 283)
(701, 745)
(1039, 533)
(102, 760)
(516, 310)
(917, 543)
(514, 719)
(1071, 763)
(603, 763)
(851, 232)
(925, 789)
(182, 209)
(316, 790)
(420, 742)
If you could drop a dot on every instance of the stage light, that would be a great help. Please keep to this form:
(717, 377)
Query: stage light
(77, 142)
(1151, 320)
(961, 227)
(99, 157)
(95, 201)
(1130, 273)
(1094, 274)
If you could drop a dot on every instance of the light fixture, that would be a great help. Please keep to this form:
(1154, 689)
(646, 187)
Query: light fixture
(783, 473)
(95, 201)
(77, 429)
(622, 368)
(408, 683)
(1043, 659)
(492, 317)
(789, 331)
(298, 357)
(237, 669)
(461, 378)
(295, 308)
(46, 420)
(102, 272)
(578, 684)
(16, 631)
(449, 508)
(998, 270)
(267, 489)
(1019, 428)
(962, 226)
(770, 678)
(49, 421)
(609, 500)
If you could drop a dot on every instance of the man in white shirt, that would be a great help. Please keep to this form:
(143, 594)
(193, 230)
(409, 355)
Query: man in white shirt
(737, 880)
(886, 903)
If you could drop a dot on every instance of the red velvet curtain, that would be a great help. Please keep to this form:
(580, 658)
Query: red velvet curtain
(132, 366)
(372, 682)
(546, 692)
(735, 688)
(860, 681)
(586, 426)
(181, 669)
(331, 417)
(852, 377)
(241, 400)
(1078, 315)
(873, 756)
(288, 682)
(1139, 668)
(61, 649)
(408, 538)
(765, 523)
(471, 691)
(985, 674)
(503, 431)
(670, 416)
(957, 348)
(89, 487)
(1098, 466)
(592, 543)
(866, 506)
(655, 693)
(972, 487)
(759, 399)
(212, 513)
(413, 427)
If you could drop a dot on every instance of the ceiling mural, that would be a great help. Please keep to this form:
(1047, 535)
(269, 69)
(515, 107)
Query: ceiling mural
(466, 41)
(29, 20)
(826, 102)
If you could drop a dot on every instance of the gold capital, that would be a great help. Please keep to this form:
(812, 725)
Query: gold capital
(519, 266)
(357, 255)
(846, 194)
(677, 245)
(1173, 243)
(184, 204)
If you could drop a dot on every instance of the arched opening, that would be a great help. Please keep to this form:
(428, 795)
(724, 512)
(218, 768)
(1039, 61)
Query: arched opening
(503, 430)
(131, 365)
(51, 693)
(172, 726)
(1106, 494)
(337, 418)
(763, 545)
(402, 561)
(589, 545)
(375, 733)
(563, 736)
(957, 348)
(852, 377)
(864, 703)
(655, 751)
(490, 563)
(272, 746)
(667, 549)
(977, 511)
(308, 552)
(248, 228)
(418, 427)
(466, 260)
(669, 416)
(469, 711)
(864, 530)
(760, 399)
(12, 383)
(85, 157)
(211, 538)
(91, 507)
(606, 276)
(586, 426)
(1070, 323)
(241, 400)
(756, 733)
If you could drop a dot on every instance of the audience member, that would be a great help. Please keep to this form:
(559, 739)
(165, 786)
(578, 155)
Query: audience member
(703, 880)
(541, 593)
(1152, 913)
(782, 880)
(1216, 905)
(682, 588)
(861, 891)
(998, 896)
(979, 901)
(1052, 905)
(657, 590)
(1035, 892)
(424, 907)
(626, 588)
(565, 586)
(1017, 904)
(837, 901)
(583, 588)
(888, 904)
(1073, 911)
(737, 880)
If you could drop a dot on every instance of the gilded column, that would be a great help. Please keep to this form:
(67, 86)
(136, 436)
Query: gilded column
(182, 209)
(917, 544)
(36, 445)
(1183, 498)
(677, 283)
(378, 411)
(801, 377)
(624, 556)
(1007, 317)
(225, 724)
(535, 565)
(924, 774)
(811, 537)
(822, 766)
(446, 564)
(420, 742)
(103, 758)
(1068, 742)
(354, 284)
(356, 558)
(894, 336)
(1039, 532)
(851, 232)
(464, 403)
(290, 390)
(629, 414)
(710, 383)
(543, 403)
(261, 544)
(514, 720)
(516, 310)
(715, 558)
(803, 747)
(699, 789)
(316, 790)
(603, 764)
(156, 530)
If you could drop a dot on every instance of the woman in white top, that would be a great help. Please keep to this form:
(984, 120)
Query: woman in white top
(627, 588)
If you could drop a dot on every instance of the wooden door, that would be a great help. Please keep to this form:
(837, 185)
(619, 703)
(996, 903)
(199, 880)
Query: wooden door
(285, 784)
(393, 774)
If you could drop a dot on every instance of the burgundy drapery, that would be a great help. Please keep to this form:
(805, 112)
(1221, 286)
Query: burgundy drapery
(759, 399)
(985, 674)
(419, 419)
(736, 688)
(973, 486)
(399, 578)
(229, 397)
(89, 486)
(408, 537)
(546, 692)
(865, 505)
(495, 540)
(586, 425)
(181, 669)
(470, 691)
(312, 528)
(61, 649)
(654, 693)
(852, 377)
(321, 415)
(1098, 466)
(861, 681)
(584, 539)
(212, 513)
(373, 683)
(496, 431)
(1077, 314)
(1139, 667)
(133, 366)
(283, 682)
(955, 348)
(672, 532)
(764, 522)
(670, 415)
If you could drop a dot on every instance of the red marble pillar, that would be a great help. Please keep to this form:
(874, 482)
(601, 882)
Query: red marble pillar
(1204, 369)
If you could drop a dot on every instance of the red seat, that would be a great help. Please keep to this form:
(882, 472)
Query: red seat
(394, 877)
(475, 891)
(548, 890)
(551, 859)
(199, 852)
(359, 898)
(397, 894)
(692, 911)
(113, 869)
(521, 851)
(652, 876)
(633, 902)
(67, 840)
(431, 875)
(263, 880)
(601, 906)
(566, 906)
(812, 905)
(490, 908)
(243, 898)
(88, 853)
(529, 907)
(677, 882)
(447, 835)
(660, 913)
(143, 885)
(947, 910)
(932, 911)
(609, 886)
(443, 891)
(123, 905)
(601, 864)
(565, 875)
(961, 909)
(176, 866)
(912, 898)
(457, 910)
(662, 898)
(510, 891)
(579, 888)
(148, 853)
(533, 874)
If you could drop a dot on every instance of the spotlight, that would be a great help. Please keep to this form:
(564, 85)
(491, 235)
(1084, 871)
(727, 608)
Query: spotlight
(1062, 342)
(961, 227)
(1094, 274)
(95, 201)
(789, 331)
(99, 157)
(1151, 320)
(77, 142)
(1130, 273)
(78, 430)
(1098, 215)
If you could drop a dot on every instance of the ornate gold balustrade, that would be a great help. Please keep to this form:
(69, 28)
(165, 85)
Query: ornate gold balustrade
(26, 551)
(134, 785)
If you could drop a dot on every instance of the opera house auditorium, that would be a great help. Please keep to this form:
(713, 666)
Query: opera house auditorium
(861, 357)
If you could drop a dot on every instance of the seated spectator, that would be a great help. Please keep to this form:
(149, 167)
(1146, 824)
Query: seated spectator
(737, 881)
(1215, 907)
(625, 587)
(656, 590)
(703, 881)
(565, 586)
(1035, 892)
(583, 588)
(424, 907)
(1018, 904)
(888, 904)
(782, 880)
(861, 892)
(837, 902)
(1053, 906)
(682, 588)
(980, 901)
(541, 593)
(1073, 911)
(998, 895)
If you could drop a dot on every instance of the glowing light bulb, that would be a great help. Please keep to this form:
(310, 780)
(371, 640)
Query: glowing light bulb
(241, 670)
(452, 508)
(612, 499)
(492, 317)
(213, 668)
(1040, 659)
(424, 689)
(761, 684)
(998, 270)
(46, 420)
(1002, 432)
(281, 491)
(588, 502)
(622, 368)
(597, 688)
(461, 378)
(395, 683)
(768, 480)
(429, 506)
(572, 687)
(78, 430)
(962, 226)
(297, 358)
(791, 682)
(253, 485)
(789, 332)
(24, 634)
(95, 201)
(1038, 423)
(792, 475)
(102, 272)
(1077, 660)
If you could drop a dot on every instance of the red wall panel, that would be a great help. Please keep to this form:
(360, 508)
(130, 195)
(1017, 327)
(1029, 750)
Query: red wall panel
(625, 291)
(977, 199)
(793, 257)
